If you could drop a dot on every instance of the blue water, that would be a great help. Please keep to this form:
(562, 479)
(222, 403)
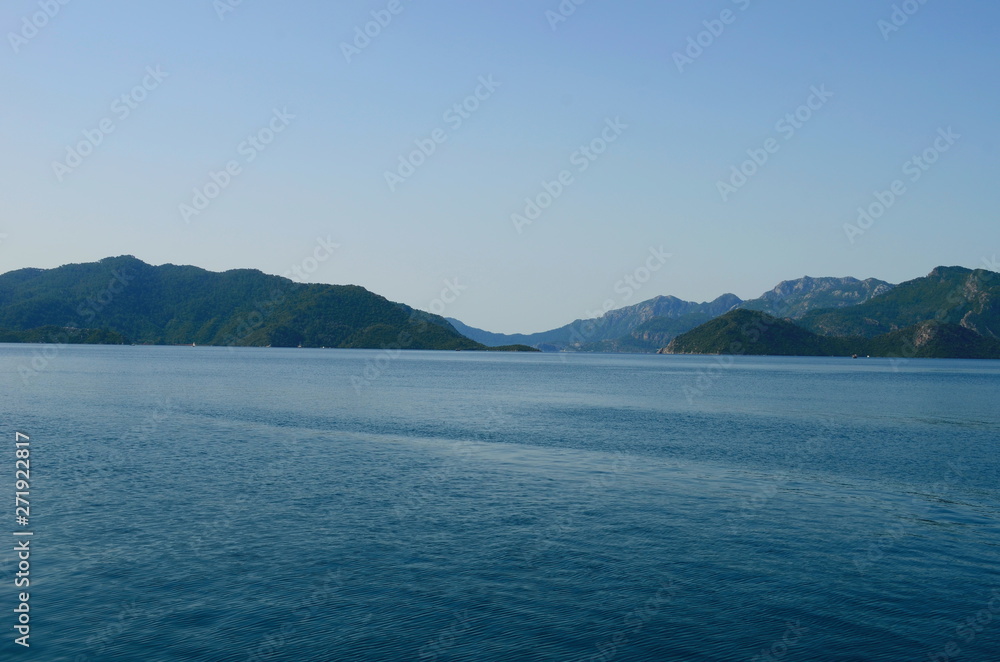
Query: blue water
(251, 504)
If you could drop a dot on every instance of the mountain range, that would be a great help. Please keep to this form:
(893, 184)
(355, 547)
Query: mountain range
(123, 299)
(954, 295)
(652, 324)
(951, 312)
(611, 325)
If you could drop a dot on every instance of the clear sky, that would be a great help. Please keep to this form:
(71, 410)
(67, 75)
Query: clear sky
(115, 112)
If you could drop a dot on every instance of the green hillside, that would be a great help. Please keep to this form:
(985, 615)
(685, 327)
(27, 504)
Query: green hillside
(970, 298)
(749, 332)
(756, 333)
(933, 340)
(69, 336)
(173, 304)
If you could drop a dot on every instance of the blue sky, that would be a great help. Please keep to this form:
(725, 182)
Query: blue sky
(207, 84)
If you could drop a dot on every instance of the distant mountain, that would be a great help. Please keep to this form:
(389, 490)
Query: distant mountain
(171, 304)
(791, 298)
(966, 297)
(795, 298)
(953, 312)
(756, 333)
(489, 338)
(652, 324)
(586, 334)
(651, 334)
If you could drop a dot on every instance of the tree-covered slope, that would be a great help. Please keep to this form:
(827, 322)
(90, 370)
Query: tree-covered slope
(757, 333)
(749, 332)
(184, 304)
(956, 295)
(68, 336)
(934, 340)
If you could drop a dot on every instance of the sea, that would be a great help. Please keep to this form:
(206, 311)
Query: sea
(252, 504)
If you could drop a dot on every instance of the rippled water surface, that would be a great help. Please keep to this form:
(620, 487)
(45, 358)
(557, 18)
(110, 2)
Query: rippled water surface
(213, 504)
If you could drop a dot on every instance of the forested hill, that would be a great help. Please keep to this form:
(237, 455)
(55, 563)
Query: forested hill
(967, 297)
(754, 332)
(172, 304)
